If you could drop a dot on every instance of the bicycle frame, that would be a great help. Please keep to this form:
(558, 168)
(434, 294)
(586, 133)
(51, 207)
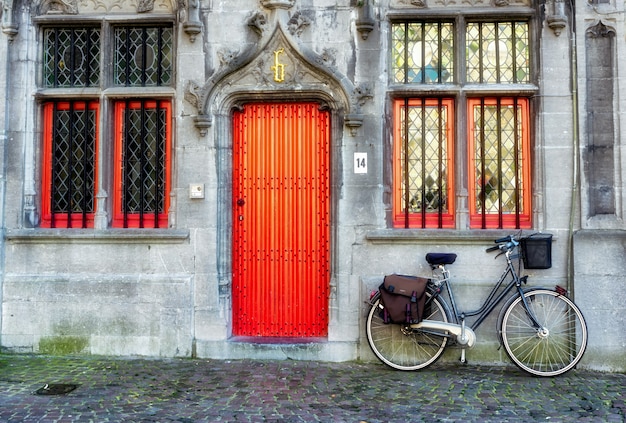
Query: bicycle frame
(492, 300)
(549, 348)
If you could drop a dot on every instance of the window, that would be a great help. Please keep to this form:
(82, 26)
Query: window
(480, 127)
(70, 143)
(141, 180)
(71, 57)
(136, 153)
(499, 149)
(423, 153)
(143, 56)
(423, 52)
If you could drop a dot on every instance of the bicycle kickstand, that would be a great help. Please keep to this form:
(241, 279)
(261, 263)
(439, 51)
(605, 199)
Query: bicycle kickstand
(463, 359)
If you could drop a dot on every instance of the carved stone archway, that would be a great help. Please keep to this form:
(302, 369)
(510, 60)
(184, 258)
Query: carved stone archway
(279, 67)
(254, 71)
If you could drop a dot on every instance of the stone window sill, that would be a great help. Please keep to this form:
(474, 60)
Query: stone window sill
(439, 236)
(91, 236)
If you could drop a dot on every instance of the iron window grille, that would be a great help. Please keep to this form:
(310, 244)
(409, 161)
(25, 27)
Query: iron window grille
(423, 52)
(424, 157)
(71, 57)
(71, 148)
(143, 179)
(495, 54)
(143, 56)
(500, 153)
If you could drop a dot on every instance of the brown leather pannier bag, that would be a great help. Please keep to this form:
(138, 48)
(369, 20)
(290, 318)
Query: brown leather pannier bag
(403, 298)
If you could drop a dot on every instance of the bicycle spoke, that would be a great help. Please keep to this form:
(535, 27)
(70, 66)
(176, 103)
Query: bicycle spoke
(402, 347)
(554, 348)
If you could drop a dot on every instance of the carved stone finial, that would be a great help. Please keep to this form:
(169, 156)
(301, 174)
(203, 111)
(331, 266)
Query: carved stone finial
(297, 23)
(361, 94)
(257, 22)
(203, 123)
(192, 25)
(192, 94)
(145, 6)
(10, 28)
(365, 23)
(227, 56)
(353, 121)
(557, 21)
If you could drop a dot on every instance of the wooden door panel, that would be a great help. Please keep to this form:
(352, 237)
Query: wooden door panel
(281, 220)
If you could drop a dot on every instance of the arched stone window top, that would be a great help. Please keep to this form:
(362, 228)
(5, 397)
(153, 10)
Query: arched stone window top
(74, 7)
(600, 30)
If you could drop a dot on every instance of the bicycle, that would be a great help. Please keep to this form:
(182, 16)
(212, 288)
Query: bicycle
(542, 331)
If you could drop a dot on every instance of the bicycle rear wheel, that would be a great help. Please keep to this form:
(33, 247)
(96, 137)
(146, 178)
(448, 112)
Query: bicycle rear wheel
(399, 346)
(553, 349)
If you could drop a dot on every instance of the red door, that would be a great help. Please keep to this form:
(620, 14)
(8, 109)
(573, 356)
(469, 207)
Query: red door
(281, 220)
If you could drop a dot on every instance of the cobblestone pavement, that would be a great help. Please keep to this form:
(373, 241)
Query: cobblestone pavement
(186, 390)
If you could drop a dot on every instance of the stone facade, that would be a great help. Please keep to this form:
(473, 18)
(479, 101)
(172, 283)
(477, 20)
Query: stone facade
(168, 291)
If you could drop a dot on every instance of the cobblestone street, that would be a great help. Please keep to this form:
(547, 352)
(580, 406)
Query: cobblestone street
(186, 390)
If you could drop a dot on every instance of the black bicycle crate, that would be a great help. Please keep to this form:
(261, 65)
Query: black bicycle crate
(537, 251)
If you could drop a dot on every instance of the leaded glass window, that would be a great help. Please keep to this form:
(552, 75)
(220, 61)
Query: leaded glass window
(423, 140)
(134, 184)
(70, 144)
(143, 56)
(423, 52)
(477, 154)
(500, 149)
(143, 146)
(71, 57)
(497, 52)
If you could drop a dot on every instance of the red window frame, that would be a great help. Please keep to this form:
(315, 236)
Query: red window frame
(500, 220)
(63, 220)
(138, 220)
(402, 219)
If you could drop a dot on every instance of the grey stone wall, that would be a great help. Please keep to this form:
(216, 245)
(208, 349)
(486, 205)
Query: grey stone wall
(167, 292)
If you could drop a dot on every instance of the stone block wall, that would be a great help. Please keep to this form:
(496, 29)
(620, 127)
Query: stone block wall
(167, 292)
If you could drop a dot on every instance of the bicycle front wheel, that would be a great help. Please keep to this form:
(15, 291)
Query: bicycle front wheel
(554, 348)
(399, 346)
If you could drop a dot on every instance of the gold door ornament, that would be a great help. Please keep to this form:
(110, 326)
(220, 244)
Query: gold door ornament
(278, 68)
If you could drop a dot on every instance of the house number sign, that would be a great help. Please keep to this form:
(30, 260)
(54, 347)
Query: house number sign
(360, 162)
(278, 68)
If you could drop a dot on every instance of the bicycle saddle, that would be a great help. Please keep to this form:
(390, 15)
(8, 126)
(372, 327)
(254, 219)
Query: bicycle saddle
(437, 259)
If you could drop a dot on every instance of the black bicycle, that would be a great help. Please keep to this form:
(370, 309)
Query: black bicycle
(541, 330)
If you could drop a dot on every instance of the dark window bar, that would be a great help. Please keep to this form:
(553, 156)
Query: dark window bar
(73, 176)
(424, 205)
(422, 71)
(150, 161)
(517, 168)
(130, 44)
(75, 74)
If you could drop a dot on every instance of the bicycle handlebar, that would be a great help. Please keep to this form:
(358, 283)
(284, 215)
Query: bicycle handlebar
(507, 243)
